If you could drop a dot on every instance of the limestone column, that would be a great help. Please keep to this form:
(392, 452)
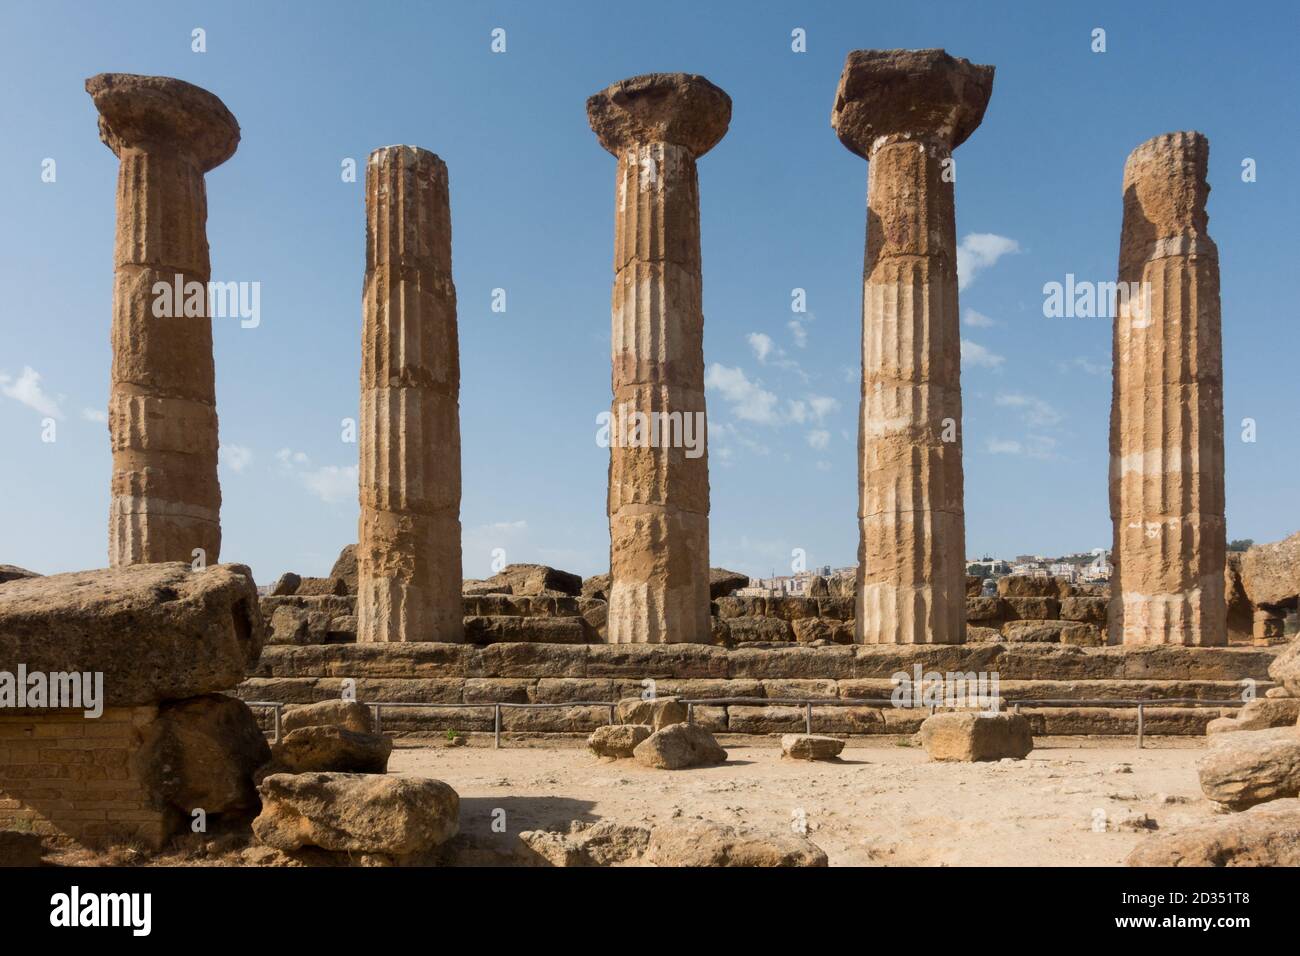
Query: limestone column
(657, 126)
(905, 111)
(408, 550)
(162, 415)
(1166, 419)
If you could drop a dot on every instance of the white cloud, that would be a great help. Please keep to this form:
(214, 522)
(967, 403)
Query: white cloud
(26, 389)
(749, 401)
(1083, 364)
(234, 457)
(1035, 411)
(798, 332)
(978, 320)
(979, 251)
(974, 355)
(330, 483)
(819, 438)
(1041, 447)
(94, 415)
(762, 345)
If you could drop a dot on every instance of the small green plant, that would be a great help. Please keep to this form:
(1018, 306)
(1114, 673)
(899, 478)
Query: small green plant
(452, 734)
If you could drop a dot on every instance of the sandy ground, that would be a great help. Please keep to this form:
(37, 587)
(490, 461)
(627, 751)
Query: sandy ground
(884, 803)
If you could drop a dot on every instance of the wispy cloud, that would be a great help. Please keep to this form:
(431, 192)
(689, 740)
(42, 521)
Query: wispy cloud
(234, 457)
(26, 389)
(748, 400)
(94, 415)
(330, 483)
(979, 251)
(819, 438)
(974, 355)
(1083, 364)
(978, 320)
(1033, 410)
(1040, 447)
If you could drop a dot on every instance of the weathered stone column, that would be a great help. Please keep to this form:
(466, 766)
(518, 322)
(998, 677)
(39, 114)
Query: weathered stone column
(657, 126)
(1166, 418)
(162, 415)
(408, 550)
(904, 111)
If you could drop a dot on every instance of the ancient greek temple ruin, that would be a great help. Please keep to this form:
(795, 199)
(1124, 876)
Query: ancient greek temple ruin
(905, 112)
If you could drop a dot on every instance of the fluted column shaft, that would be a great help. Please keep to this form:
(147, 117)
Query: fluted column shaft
(409, 536)
(162, 418)
(1166, 441)
(658, 503)
(658, 496)
(905, 111)
(911, 550)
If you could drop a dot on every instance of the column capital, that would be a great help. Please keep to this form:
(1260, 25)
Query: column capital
(1165, 187)
(683, 109)
(143, 112)
(908, 94)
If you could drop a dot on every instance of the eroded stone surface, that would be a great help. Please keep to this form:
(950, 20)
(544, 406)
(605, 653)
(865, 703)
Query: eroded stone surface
(409, 546)
(162, 419)
(1253, 766)
(905, 111)
(1166, 425)
(618, 740)
(968, 736)
(679, 746)
(704, 843)
(657, 126)
(811, 746)
(155, 631)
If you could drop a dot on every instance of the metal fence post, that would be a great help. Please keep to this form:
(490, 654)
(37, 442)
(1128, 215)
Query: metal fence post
(807, 719)
(690, 714)
(276, 709)
(496, 727)
(1141, 725)
(378, 720)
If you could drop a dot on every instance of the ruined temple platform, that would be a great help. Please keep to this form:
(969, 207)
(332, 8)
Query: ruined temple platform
(442, 675)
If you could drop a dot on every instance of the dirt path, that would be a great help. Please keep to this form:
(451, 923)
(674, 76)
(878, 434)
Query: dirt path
(882, 804)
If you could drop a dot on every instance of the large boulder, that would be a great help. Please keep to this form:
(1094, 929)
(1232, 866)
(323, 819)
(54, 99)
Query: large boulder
(345, 569)
(723, 582)
(11, 572)
(1270, 573)
(155, 631)
(201, 753)
(331, 749)
(356, 813)
(704, 843)
(1285, 669)
(596, 587)
(1254, 766)
(1268, 835)
(679, 746)
(1259, 714)
(534, 579)
(658, 712)
(348, 714)
(605, 843)
(811, 747)
(968, 736)
(617, 740)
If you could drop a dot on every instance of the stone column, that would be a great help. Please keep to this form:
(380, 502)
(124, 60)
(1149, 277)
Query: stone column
(1166, 419)
(657, 126)
(904, 111)
(408, 550)
(162, 415)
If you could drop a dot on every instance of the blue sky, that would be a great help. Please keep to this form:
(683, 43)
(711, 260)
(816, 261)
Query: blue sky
(783, 207)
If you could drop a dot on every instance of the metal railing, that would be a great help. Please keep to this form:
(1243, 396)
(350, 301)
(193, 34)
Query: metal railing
(808, 703)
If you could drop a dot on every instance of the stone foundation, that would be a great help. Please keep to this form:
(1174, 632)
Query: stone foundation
(65, 775)
(559, 673)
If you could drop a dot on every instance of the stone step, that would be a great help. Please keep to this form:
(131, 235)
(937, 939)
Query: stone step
(1012, 662)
